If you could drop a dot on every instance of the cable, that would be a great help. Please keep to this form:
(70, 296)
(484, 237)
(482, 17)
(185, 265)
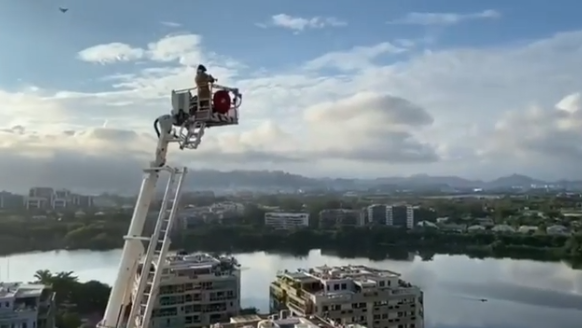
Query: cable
(156, 123)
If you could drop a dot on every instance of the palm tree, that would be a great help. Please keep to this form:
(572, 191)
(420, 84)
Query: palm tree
(67, 277)
(44, 277)
(62, 283)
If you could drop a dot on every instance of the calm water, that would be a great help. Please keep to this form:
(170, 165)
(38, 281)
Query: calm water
(522, 294)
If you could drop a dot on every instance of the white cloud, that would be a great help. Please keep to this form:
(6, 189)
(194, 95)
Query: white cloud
(355, 59)
(170, 24)
(369, 127)
(299, 24)
(184, 48)
(175, 47)
(110, 53)
(451, 111)
(543, 135)
(445, 19)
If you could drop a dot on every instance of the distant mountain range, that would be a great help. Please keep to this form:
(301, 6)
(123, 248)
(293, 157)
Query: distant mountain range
(211, 179)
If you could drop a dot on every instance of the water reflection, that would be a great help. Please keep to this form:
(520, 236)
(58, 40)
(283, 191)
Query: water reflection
(520, 293)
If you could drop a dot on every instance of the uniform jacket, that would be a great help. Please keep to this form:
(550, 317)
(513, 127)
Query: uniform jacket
(203, 81)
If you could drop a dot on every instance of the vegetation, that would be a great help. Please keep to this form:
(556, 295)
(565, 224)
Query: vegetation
(103, 232)
(365, 241)
(75, 301)
(375, 242)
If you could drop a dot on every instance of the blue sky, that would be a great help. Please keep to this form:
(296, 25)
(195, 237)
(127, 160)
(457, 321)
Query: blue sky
(340, 88)
(43, 50)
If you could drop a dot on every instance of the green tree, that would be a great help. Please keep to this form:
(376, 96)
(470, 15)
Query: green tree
(44, 277)
(68, 319)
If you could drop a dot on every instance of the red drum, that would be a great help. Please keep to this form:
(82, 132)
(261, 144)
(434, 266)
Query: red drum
(221, 101)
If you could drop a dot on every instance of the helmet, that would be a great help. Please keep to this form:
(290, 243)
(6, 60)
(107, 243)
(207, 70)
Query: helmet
(201, 68)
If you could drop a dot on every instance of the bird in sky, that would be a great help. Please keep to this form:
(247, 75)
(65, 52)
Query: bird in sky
(63, 10)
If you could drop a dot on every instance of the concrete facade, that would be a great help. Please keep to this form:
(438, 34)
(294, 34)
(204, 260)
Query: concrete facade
(196, 290)
(350, 295)
(26, 306)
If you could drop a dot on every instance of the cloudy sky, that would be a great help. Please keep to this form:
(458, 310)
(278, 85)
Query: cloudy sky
(353, 89)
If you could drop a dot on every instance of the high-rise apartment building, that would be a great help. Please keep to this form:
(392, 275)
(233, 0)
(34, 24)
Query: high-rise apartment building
(400, 216)
(350, 295)
(49, 198)
(196, 290)
(377, 214)
(26, 306)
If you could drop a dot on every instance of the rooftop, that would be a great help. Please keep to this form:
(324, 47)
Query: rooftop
(182, 260)
(351, 272)
(20, 290)
(343, 281)
(280, 321)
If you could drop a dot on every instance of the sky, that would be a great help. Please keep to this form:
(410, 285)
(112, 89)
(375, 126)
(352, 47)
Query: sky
(343, 88)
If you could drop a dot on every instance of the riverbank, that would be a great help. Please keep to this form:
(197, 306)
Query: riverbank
(371, 242)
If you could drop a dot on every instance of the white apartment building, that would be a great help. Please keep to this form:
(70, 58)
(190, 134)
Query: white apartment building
(286, 221)
(45, 197)
(196, 290)
(352, 294)
(400, 216)
(61, 199)
(26, 306)
(377, 214)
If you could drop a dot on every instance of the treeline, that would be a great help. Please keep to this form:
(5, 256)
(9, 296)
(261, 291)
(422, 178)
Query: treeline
(17, 236)
(107, 234)
(372, 241)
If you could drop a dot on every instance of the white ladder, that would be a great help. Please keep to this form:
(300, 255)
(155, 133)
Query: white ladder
(159, 243)
(191, 133)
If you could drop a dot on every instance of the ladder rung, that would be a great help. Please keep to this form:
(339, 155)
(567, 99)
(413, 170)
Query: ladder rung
(137, 238)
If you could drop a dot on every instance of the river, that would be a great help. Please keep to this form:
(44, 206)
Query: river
(522, 294)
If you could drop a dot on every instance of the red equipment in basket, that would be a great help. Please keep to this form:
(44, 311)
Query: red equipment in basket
(221, 101)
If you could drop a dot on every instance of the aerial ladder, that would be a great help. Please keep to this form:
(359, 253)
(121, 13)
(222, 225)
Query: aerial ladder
(140, 270)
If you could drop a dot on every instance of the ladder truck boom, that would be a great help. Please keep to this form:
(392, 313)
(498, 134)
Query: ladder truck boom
(135, 289)
(133, 248)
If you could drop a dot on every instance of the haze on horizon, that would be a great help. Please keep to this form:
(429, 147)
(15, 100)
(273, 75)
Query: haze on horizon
(440, 87)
